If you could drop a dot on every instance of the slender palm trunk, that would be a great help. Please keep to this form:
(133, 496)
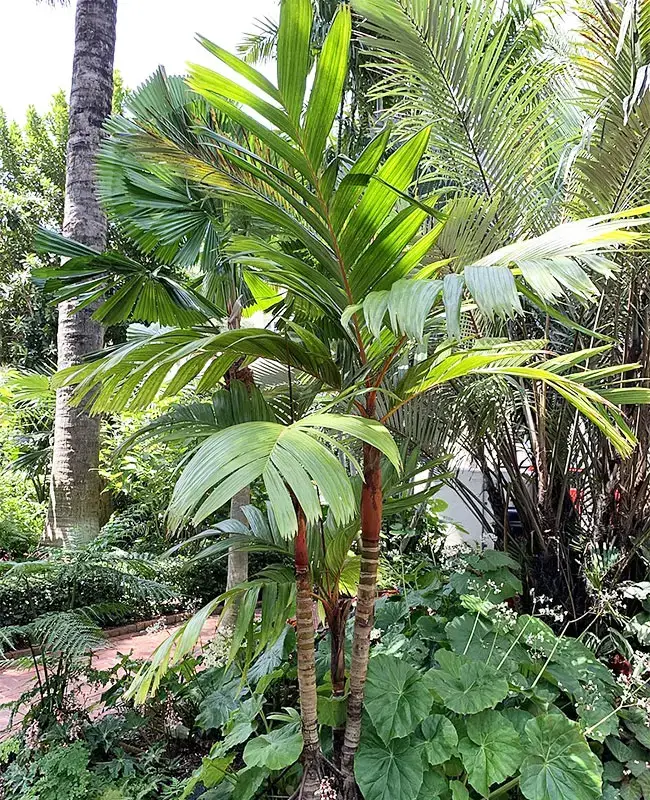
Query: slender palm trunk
(336, 622)
(371, 516)
(237, 559)
(306, 662)
(74, 511)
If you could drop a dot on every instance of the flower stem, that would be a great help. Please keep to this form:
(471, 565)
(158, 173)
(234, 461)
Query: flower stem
(504, 789)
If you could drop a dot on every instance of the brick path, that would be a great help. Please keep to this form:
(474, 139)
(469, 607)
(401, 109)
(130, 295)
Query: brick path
(13, 681)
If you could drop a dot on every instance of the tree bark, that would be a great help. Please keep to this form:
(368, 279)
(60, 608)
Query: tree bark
(237, 559)
(312, 755)
(74, 511)
(371, 516)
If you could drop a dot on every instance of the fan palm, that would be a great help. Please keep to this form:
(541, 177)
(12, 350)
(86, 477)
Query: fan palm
(348, 248)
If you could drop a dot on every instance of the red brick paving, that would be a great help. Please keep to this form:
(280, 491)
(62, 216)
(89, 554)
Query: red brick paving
(13, 681)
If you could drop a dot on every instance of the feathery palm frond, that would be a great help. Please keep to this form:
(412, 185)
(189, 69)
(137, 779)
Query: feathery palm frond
(133, 374)
(613, 168)
(489, 87)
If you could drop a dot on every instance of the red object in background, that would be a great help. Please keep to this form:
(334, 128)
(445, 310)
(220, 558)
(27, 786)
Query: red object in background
(620, 665)
(575, 496)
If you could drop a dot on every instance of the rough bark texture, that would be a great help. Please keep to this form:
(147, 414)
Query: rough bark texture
(74, 513)
(306, 662)
(371, 514)
(237, 560)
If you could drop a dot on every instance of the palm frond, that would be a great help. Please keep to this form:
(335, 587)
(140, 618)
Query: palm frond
(488, 86)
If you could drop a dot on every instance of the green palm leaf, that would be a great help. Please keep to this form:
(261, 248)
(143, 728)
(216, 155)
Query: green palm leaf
(292, 461)
(130, 290)
(133, 374)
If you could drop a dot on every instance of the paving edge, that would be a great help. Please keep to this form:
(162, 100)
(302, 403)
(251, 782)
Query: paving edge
(115, 633)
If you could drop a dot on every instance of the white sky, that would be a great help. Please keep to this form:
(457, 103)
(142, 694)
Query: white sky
(37, 42)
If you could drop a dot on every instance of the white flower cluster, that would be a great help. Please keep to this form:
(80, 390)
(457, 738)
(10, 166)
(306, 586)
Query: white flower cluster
(609, 601)
(535, 641)
(505, 618)
(32, 735)
(171, 718)
(326, 790)
(157, 627)
(451, 557)
(634, 686)
(215, 654)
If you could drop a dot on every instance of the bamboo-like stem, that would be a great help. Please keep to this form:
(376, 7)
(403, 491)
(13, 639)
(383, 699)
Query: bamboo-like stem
(312, 755)
(371, 516)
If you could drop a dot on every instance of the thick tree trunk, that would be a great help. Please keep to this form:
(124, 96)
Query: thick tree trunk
(371, 515)
(312, 756)
(74, 513)
(237, 560)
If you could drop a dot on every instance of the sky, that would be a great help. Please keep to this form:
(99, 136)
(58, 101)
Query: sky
(37, 42)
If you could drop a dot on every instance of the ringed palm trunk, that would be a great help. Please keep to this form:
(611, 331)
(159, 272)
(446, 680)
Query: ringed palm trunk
(336, 622)
(75, 509)
(237, 559)
(371, 516)
(312, 756)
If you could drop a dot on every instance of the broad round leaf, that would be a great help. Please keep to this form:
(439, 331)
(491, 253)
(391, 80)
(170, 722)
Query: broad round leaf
(396, 697)
(434, 786)
(558, 762)
(466, 687)
(440, 738)
(275, 750)
(388, 771)
(491, 753)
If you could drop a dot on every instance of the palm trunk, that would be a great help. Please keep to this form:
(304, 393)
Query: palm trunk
(74, 512)
(371, 516)
(306, 662)
(237, 559)
(336, 623)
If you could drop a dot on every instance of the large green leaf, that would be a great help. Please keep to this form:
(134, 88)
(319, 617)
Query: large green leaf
(466, 687)
(293, 54)
(558, 762)
(440, 739)
(325, 97)
(211, 773)
(491, 752)
(215, 708)
(290, 457)
(275, 750)
(396, 698)
(249, 781)
(434, 787)
(388, 771)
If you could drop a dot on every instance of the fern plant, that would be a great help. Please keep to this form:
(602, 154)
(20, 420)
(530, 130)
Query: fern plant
(61, 643)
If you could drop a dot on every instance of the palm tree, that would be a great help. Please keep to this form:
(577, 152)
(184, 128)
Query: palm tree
(74, 510)
(179, 224)
(348, 250)
(593, 160)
